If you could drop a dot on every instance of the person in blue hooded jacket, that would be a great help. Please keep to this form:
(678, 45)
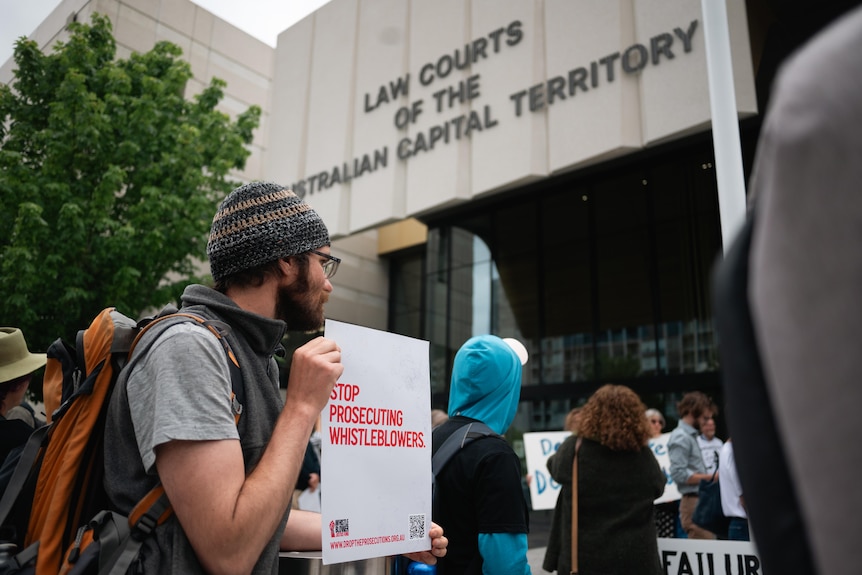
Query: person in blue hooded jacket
(478, 493)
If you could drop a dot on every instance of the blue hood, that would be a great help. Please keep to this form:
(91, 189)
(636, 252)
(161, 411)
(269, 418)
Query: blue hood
(486, 382)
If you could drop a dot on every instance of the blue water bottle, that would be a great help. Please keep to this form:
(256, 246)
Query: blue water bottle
(421, 569)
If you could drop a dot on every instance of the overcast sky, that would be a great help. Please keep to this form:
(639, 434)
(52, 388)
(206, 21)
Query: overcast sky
(263, 19)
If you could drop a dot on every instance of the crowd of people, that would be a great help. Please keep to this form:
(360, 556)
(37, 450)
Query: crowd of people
(480, 495)
(619, 476)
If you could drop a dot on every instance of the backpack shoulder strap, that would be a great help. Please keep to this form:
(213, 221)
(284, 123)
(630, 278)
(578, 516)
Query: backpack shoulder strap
(465, 434)
(153, 510)
(219, 329)
(22, 470)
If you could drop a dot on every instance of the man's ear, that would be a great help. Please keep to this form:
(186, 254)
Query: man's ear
(289, 268)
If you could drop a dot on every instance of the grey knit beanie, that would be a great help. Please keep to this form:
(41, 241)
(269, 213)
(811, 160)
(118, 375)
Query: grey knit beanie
(258, 223)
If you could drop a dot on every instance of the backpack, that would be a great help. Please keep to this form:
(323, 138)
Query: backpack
(55, 514)
(708, 512)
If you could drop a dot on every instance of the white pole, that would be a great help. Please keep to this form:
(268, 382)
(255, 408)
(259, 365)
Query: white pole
(725, 122)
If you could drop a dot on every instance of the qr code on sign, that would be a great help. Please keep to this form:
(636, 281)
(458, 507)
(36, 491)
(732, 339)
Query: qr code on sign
(417, 526)
(339, 528)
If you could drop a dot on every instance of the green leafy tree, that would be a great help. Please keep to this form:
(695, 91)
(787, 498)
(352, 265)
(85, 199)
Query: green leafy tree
(109, 179)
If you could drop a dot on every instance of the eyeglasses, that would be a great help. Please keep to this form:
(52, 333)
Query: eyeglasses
(330, 266)
(656, 421)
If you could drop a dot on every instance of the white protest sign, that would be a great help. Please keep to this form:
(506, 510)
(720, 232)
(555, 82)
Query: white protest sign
(708, 557)
(376, 449)
(538, 447)
(658, 445)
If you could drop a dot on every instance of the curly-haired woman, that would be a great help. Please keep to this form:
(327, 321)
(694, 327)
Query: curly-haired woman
(618, 480)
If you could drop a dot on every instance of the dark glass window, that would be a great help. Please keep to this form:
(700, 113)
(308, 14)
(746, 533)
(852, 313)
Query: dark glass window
(623, 260)
(566, 351)
(687, 232)
(405, 293)
(604, 278)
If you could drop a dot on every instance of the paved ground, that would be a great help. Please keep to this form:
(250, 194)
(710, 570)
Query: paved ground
(535, 556)
(537, 540)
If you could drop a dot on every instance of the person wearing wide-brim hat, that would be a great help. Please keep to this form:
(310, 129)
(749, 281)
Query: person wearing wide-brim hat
(17, 365)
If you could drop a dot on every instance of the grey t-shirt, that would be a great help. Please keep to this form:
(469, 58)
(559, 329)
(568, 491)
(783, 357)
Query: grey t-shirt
(171, 398)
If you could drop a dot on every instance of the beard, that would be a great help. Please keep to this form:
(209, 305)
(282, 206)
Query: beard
(299, 308)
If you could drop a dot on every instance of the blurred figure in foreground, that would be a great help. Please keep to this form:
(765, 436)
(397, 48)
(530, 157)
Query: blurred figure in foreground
(787, 309)
(618, 480)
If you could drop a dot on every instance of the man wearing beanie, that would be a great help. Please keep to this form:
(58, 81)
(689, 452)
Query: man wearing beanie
(172, 418)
